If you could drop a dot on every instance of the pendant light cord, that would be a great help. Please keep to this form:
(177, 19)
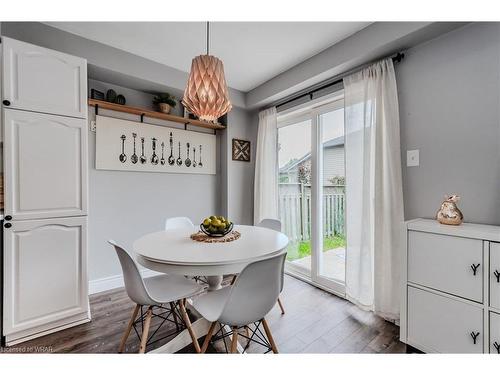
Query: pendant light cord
(208, 36)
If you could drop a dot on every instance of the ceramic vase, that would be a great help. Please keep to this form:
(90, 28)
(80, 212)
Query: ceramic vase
(449, 213)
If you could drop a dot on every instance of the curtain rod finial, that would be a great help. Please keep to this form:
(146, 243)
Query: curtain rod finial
(399, 57)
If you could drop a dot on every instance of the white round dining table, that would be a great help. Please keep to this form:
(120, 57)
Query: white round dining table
(173, 251)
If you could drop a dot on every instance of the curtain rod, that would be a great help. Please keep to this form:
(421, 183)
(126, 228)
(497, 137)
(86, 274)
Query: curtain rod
(395, 59)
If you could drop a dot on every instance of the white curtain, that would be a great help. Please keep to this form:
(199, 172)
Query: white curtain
(374, 193)
(266, 167)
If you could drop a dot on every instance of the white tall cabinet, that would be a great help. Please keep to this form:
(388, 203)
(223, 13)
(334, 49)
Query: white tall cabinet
(451, 288)
(44, 126)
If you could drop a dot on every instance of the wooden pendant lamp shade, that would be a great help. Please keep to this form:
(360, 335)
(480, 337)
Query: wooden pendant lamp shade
(206, 93)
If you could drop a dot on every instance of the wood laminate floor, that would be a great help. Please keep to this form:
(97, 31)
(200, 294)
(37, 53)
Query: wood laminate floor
(315, 322)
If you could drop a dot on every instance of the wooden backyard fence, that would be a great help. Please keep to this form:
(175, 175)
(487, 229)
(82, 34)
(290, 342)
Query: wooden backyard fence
(295, 213)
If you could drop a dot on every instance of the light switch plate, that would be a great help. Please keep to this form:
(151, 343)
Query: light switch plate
(412, 158)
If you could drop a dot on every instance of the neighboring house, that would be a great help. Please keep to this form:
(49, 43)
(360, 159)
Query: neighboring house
(333, 164)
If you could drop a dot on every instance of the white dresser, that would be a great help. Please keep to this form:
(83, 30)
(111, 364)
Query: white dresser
(451, 288)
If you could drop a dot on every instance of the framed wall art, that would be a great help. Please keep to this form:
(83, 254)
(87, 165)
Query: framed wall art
(241, 150)
(124, 145)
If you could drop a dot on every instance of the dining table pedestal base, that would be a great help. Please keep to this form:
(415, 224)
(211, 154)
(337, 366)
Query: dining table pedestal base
(200, 328)
(214, 282)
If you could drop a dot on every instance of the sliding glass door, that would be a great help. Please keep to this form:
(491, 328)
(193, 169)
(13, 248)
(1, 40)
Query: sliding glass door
(312, 193)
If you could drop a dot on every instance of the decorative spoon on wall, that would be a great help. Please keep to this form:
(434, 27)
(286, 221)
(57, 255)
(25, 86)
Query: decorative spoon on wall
(194, 156)
(179, 160)
(200, 164)
(123, 157)
(188, 161)
(162, 160)
(171, 159)
(134, 157)
(143, 158)
(154, 157)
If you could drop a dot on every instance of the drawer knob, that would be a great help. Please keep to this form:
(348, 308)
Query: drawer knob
(474, 267)
(6, 102)
(7, 225)
(497, 347)
(497, 275)
(474, 336)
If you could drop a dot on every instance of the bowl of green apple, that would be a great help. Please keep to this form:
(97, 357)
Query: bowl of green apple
(216, 226)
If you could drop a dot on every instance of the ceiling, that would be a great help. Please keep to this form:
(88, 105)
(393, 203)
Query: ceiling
(252, 52)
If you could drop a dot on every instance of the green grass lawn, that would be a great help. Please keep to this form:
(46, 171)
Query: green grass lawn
(297, 250)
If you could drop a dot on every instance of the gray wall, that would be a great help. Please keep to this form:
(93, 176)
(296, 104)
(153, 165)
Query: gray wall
(126, 205)
(449, 96)
(239, 174)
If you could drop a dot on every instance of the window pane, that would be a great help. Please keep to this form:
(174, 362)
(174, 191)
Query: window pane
(294, 158)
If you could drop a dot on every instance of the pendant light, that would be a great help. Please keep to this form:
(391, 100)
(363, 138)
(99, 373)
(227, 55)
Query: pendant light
(206, 93)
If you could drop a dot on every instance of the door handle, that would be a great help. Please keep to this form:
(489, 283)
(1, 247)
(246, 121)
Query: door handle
(474, 267)
(497, 346)
(497, 275)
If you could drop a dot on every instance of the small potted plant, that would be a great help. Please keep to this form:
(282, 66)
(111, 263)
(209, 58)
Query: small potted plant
(165, 102)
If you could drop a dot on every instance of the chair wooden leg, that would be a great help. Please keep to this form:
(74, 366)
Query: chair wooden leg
(269, 336)
(145, 330)
(208, 337)
(234, 340)
(129, 328)
(185, 316)
(281, 306)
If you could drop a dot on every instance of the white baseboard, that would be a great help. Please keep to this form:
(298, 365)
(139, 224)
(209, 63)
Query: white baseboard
(115, 281)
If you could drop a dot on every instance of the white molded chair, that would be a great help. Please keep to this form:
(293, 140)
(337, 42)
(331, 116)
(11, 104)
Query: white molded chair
(271, 224)
(247, 301)
(275, 225)
(179, 223)
(154, 292)
(182, 222)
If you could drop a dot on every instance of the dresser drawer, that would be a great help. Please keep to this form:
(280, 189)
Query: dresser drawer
(444, 325)
(495, 275)
(494, 333)
(445, 263)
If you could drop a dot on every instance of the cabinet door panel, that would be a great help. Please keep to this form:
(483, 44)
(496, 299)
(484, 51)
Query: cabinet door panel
(444, 263)
(45, 269)
(495, 274)
(42, 80)
(45, 165)
(442, 324)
